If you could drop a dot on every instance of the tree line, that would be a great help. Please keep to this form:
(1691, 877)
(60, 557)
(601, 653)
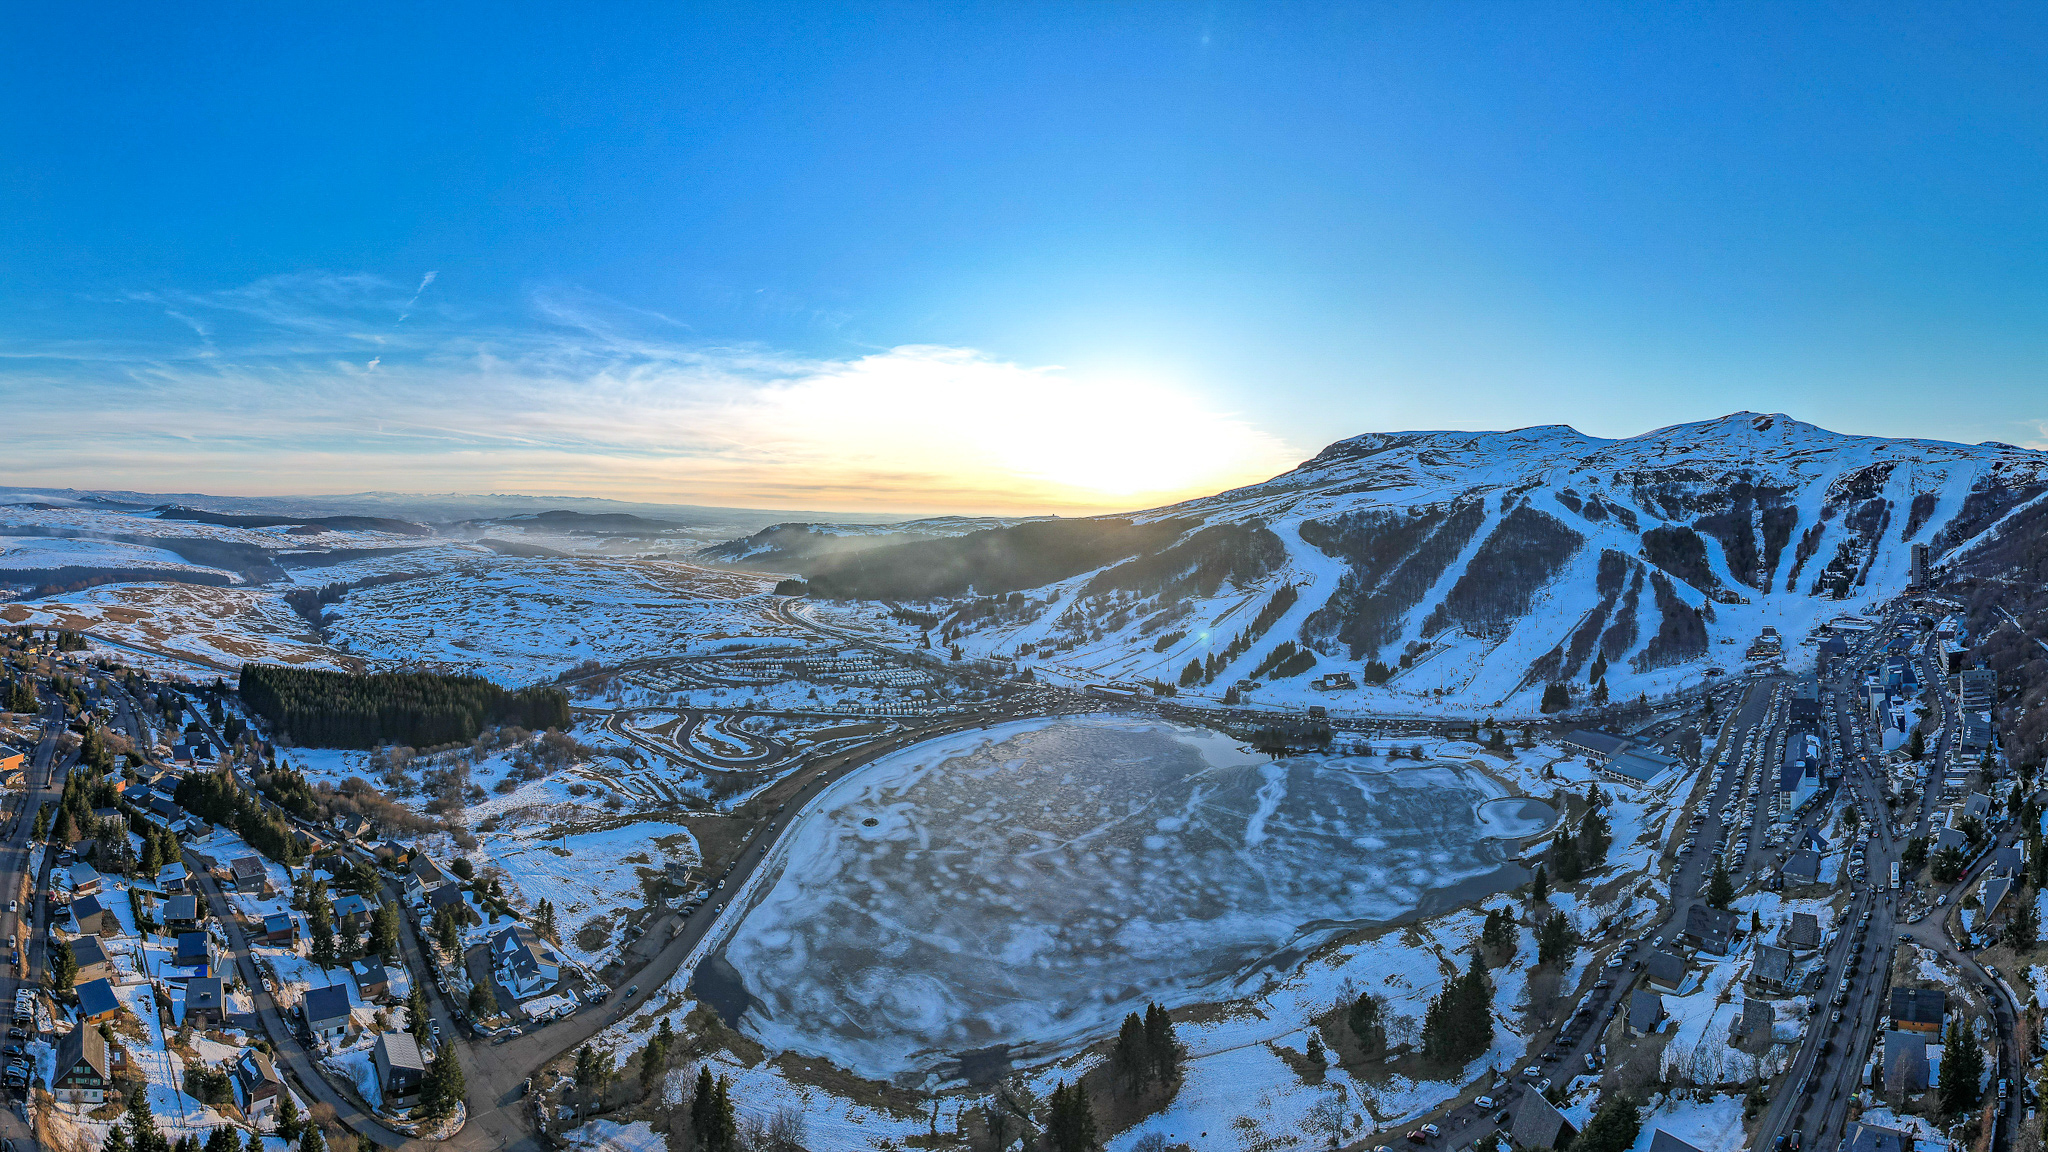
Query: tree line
(346, 710)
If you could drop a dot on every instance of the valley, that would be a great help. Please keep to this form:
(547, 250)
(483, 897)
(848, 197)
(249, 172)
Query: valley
(1379, 781)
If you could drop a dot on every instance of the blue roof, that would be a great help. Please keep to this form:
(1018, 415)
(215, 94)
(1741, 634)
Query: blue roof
(329, 1003)
(96, 997)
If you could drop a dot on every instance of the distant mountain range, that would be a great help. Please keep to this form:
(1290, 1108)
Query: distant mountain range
(1482, 564)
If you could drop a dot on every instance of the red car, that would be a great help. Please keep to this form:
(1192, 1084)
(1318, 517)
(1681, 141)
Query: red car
(1418, 1137)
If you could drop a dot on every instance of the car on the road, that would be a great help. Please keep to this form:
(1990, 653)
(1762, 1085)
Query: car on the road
(1418, 1137)
(1431, 1130)
(1484, 1102)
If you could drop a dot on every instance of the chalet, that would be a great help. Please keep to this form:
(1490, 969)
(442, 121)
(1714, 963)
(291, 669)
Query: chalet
(392, 852)
(1992, 893)
(195, 950)
(1710, 930)
(1978, 805)
(1802, 933)
(96, 1002)
(1538, 1124)
(372, 979)
(84, 880)
(250, 875)
(1663, 971)
(451, 898)
(181, 913)
(353, 912)
(172, 879)
(280, 928)
(327, 1011)
(426, 876)
(1863, 1137)
(1802, 867)
(1645, 1012)
(1756, 1021)
(523, 962)
(95, 918)
(1772, 970)
(356, 827)
(400, 1069)
(164, 812)
(1799, 773)
(204, 1005)
(1334, 682)
(1919, 1009)
(92, 958)
(83, 1074)
(1665, 1142)
(1952, 838)
(255, 1083)
(1906, 1068)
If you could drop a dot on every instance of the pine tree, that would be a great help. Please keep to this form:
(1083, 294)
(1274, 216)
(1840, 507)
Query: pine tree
(723, 1134)
(1564, 857)
(653, 1062)
(287, 1115)
(323, 946)
(1613, 1129)
(1130, 1059)
(63, 967)
(310, 1140)
(703, 1102)
(450, 933)
(482, 1003)
(117, 1135)
(1539, 886)
(1720, 890)
(2024, 926)
(442, 1088)
(255, 1142)
(416, 1013)
(384, 930)
(1070, 1126)
(1962, 1066)
(1556, 940)
(142, 1131)
(1162, 1044)
(224, 1139)
(187, 1143)
(1367, 1020)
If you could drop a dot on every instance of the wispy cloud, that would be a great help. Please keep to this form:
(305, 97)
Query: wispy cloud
(588, 397)
(416, 294)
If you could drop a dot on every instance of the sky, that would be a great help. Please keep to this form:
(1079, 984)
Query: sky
(993, 258)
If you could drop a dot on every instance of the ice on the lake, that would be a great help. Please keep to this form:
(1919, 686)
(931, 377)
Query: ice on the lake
(1029, 885)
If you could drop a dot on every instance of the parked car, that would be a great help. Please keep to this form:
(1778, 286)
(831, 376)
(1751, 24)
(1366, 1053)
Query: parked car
(1484, 1102)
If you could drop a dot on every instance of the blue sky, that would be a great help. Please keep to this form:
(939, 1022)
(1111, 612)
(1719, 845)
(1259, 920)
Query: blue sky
(980, 257)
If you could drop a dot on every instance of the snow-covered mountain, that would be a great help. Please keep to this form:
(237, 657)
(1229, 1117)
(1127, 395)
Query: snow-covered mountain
(1478, 567)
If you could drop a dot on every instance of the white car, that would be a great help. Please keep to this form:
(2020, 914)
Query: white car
(1484, 1102)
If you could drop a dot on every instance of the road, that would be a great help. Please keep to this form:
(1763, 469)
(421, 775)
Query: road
(44, 774)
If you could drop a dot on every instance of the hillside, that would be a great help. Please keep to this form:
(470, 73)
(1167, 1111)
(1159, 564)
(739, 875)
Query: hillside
(1477, 567)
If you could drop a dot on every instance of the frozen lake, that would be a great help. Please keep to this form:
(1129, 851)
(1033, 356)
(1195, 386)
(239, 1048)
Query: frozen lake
(1012, 893)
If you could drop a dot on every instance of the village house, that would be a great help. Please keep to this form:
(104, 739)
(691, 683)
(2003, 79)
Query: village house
(93, 963)
(1919, 1009)
(352, 912)
(204, 1006)
(400, 1069)
(181, 913)
(425, 877)
(280, 928)
(1645, 1012)
(327, 1011)
(83, 1074)
(523, 962)
(249, 875)
(96, 1002)
(95, 918)
(256, 1084)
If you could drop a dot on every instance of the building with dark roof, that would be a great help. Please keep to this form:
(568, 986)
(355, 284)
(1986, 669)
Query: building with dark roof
(1645, 1012)
(1803, 867)
(400, 1069)
(327, 1011)
(1538, 1124)
(280, 928)
(256, 1084)
(1709, 929)
(181, 913)
(95, 918)
(1663, 971)
(204, 1005)
(1919, 1009)
(250, 875)
(1863, 1137)
(1637, 767)
(1905, 1061)
(96, 1001)
(1594, 745)
(1772, 970)
(195, 951)
(1757, 1020)
(1802, 932)
(83, 1073)
(1665, 1142)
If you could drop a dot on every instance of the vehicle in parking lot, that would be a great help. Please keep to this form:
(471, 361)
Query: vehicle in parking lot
(1484, 1102)
(1431, 1130)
